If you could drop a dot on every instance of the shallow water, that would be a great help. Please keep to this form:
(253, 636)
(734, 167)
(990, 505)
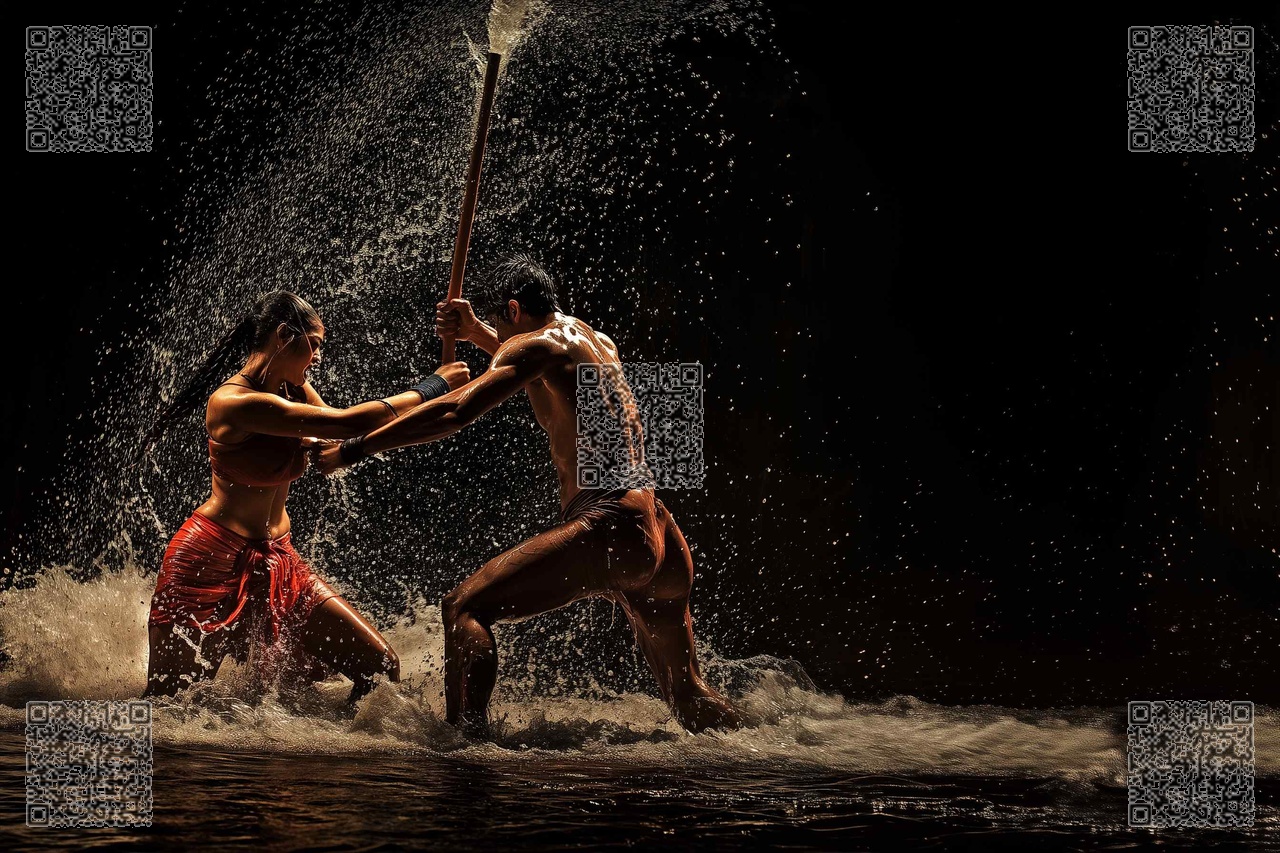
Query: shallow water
(240, 764)
(550, 801)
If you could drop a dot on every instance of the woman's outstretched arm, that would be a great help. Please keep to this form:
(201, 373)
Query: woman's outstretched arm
(249, 410)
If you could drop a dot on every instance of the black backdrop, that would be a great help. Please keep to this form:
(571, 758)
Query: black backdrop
(1015, 414)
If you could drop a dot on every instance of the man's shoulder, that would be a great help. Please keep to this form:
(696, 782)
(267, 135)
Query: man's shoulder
(580, 326)
(539, 344)
(561, 341)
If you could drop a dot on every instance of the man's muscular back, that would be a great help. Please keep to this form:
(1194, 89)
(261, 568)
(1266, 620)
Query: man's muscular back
(569, 342)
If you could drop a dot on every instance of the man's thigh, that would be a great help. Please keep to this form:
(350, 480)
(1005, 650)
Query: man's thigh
(545, 572)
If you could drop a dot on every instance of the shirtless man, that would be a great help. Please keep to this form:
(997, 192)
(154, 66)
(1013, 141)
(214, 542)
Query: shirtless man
(620, 544)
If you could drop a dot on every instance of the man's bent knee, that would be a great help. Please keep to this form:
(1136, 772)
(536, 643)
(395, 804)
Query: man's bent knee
(457, 605)
(451, 607)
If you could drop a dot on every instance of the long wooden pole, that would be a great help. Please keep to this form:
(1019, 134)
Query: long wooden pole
(472, 193)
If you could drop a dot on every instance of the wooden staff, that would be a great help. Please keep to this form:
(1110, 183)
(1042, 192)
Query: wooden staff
(472, 192)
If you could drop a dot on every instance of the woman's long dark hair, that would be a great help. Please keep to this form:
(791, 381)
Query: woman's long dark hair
(253, 330)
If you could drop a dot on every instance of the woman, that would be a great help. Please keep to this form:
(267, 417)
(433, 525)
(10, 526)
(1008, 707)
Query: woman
(231, 581)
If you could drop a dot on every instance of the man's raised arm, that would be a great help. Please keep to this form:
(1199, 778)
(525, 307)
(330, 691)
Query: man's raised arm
(514, 366)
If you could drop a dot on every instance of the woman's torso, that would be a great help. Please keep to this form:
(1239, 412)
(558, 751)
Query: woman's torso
(251, 472)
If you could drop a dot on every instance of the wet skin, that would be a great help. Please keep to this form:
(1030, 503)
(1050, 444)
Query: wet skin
(639, 560)
(271, 395)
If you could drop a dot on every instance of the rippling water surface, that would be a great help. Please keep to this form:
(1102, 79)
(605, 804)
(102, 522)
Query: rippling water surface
(240, 764)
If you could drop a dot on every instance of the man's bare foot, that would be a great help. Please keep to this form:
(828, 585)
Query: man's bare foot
(709, 712)
(476, 727)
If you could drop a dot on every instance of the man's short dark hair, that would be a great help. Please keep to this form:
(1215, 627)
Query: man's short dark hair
(519, 277)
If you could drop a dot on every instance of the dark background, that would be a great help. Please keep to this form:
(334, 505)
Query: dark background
(1006, 422)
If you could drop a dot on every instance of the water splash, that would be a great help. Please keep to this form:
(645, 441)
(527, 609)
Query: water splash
(605, 140)
(68, 639)
(507, 23)
(347, 193)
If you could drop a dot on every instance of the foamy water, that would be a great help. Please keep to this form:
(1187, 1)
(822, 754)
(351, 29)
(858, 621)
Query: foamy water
(87, 640)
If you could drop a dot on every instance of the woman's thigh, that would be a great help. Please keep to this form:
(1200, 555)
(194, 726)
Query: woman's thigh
(178, 656)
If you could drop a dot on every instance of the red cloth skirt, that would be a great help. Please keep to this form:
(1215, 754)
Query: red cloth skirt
(211, 577)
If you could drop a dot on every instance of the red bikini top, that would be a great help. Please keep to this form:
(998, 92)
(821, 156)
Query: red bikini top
(260, 460)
